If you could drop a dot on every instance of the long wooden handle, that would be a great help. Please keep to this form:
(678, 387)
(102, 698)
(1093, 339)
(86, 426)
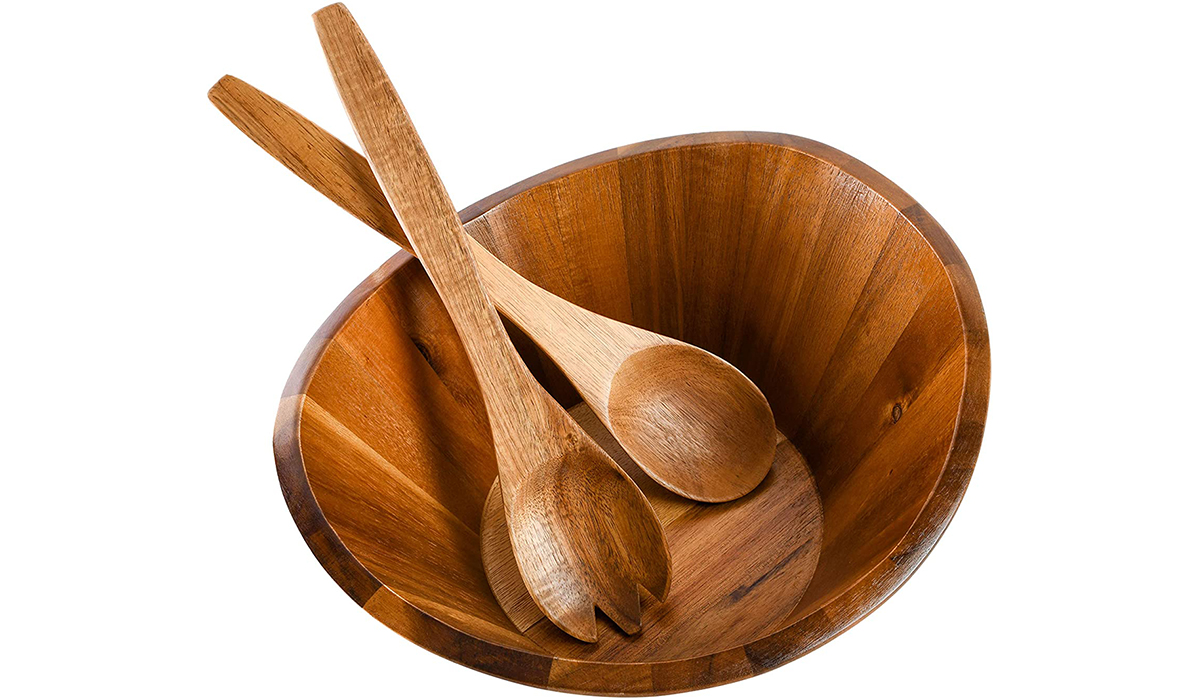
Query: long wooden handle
(345, 177)
(316, 156)
(340, 173)
(423, 207)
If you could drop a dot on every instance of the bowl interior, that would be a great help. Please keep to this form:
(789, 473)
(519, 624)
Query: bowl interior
(812, 274)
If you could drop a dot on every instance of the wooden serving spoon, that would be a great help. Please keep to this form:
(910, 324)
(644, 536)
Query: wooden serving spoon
(582, 533)
(689, 419)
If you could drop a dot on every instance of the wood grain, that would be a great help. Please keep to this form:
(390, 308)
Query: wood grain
(692, 421)
(583, 535)
(739, 568)
(833, 258)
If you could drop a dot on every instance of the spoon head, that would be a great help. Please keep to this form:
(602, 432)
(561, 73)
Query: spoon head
(693, 422)
(585, 537)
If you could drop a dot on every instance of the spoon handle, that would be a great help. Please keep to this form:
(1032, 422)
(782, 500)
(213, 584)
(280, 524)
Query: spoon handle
(341, 174)
(416, 194)
(313, 154)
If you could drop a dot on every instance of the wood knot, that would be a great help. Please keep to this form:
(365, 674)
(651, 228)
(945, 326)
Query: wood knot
(897, 411)
(423, 350)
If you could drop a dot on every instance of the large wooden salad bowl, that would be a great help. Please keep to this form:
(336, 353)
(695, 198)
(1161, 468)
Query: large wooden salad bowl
(820, 279)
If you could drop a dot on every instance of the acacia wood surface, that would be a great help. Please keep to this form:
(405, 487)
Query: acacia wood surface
(739, 568)
(384, 455)
(583, 535)
(692, 421)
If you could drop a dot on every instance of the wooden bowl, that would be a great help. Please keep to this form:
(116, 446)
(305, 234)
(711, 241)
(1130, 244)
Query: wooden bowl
(819, 278)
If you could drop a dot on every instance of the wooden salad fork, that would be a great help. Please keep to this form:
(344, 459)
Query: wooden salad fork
(583, 535)
(690, 420)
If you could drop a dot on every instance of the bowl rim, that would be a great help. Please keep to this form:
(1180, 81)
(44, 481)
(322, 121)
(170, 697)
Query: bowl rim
(654, 677)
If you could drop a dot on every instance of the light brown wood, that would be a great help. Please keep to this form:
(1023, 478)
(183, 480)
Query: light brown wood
(844, 301)
(691, 420)
(583, 535)
(738, 568)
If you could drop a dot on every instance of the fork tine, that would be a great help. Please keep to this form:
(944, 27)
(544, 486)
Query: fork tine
(655, 576)
(576, 617)
(618, 598)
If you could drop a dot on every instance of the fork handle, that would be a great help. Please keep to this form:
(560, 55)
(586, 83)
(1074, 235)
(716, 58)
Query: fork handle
(515, 402)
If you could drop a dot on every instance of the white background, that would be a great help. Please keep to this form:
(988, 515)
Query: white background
(160, 276)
